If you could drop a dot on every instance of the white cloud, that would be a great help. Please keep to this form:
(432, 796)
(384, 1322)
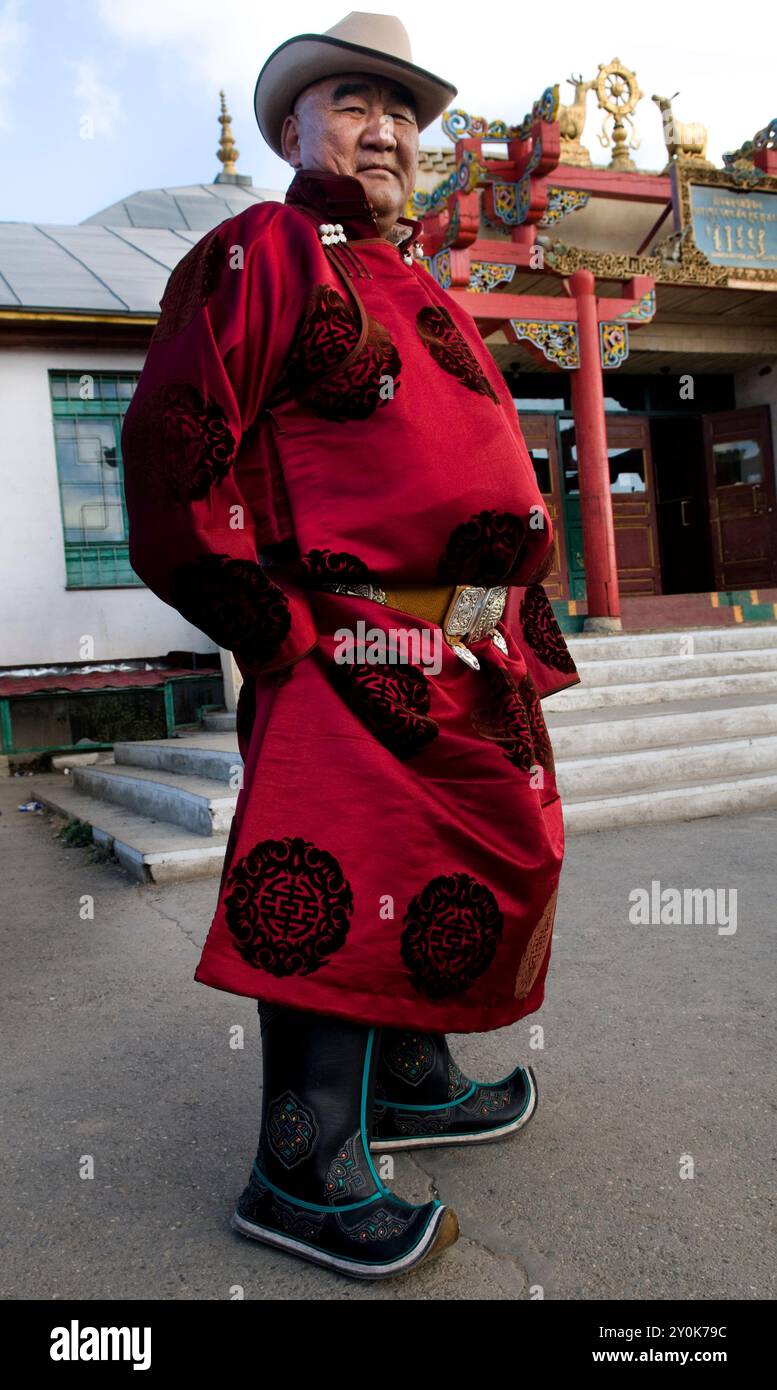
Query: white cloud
(208, 45)
(13, 36)
(500, 58)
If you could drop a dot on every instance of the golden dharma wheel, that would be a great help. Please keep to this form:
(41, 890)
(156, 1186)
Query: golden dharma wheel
(617, 89)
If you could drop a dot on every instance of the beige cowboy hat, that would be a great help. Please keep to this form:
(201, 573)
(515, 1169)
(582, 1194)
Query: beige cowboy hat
(377, 44)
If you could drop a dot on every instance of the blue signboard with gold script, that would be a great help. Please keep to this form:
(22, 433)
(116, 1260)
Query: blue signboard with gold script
(733, 227)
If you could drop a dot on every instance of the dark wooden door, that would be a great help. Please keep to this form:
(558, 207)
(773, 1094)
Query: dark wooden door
(633, 493)
(539, 431)
(681, 504)
(740, 479)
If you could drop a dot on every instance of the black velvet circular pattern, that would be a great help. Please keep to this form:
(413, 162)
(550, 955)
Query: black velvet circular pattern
(451, 351)
(501, 717)
(333, 567)
(542, 631)
(178, 446)
(543, 748)
(235, 603)
(511, 715)
(484, 550)
(326, 373)
(452, 929)
(391, 700)
(288, 906)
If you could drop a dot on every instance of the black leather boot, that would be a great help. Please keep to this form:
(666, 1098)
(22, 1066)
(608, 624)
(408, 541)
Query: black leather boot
(423, 1098)
(314, 1190)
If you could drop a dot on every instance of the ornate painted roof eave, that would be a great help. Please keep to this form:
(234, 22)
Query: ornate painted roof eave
(458, 124)
(532, 148)
(751, 163)
(690, 267)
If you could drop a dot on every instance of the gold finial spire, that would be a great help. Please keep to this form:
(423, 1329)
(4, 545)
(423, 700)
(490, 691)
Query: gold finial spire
(227, 151)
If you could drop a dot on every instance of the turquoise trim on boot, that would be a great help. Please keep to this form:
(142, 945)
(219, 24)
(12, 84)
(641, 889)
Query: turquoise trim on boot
(363, 1115)
(447, 1104)
(444, 1105)
(329, 1210)
(491, 1085)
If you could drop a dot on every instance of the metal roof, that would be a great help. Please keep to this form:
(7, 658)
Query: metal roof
(195, 208)
(118, 261)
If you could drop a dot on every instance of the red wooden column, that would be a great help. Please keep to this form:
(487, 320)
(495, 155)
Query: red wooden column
(601, 571)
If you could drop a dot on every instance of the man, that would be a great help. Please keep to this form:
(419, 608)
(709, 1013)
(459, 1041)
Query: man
(325, 473)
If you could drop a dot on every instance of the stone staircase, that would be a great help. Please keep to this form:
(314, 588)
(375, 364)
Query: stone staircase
(664, 726)
(163, 806)
(667, 726)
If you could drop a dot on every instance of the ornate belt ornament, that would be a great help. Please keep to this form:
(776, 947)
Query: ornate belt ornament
(471, 612)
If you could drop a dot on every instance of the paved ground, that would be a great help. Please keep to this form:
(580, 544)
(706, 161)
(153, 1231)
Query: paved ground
(659, 1043)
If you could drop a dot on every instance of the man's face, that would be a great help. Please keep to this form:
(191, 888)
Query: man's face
(357, 125)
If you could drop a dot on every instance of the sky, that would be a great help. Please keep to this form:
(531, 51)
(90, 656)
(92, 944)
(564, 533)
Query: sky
(140, 80)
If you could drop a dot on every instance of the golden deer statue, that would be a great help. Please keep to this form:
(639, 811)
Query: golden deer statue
(571, 120)
(684, 140)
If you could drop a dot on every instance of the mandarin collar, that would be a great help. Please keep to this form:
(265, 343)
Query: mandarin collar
(341, 198)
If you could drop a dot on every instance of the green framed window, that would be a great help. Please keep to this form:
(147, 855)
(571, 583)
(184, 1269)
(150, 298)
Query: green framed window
(88, 409)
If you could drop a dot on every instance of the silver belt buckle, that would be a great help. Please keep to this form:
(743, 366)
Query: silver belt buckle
(358, 590)
(473, 613)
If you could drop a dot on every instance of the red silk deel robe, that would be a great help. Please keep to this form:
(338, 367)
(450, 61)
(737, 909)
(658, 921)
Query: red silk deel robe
(310, 415)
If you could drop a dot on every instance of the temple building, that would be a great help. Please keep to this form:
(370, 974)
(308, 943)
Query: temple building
(632, 312)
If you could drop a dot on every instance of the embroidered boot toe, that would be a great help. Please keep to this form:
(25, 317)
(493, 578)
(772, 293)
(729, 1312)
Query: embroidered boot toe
(423, 1099)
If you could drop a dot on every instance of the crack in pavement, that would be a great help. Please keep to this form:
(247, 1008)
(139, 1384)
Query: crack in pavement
(433, 1188)
(503, 1255)
(167, 917)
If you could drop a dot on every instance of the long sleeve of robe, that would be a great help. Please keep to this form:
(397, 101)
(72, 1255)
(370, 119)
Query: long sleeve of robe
(203, 490)
(307, 418)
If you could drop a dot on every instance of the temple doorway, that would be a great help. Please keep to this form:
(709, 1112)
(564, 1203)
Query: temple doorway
(682, 505)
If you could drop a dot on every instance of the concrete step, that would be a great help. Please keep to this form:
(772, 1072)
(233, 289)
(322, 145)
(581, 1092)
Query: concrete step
(724, 796)
(639, 692)
(623, 731)
(164, 805)
(151, 851)
(218, 721)
(649, 769)
(748, 636)
(187, 759)
(671, 668)
(196, 803)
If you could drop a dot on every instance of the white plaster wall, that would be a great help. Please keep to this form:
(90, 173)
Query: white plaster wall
(753, 389)
(40, 620)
